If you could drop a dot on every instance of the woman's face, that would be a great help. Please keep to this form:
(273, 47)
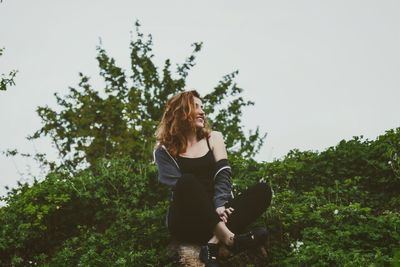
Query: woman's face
(199, 113)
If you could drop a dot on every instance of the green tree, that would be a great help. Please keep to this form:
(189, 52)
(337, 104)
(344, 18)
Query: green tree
(121, 119)
(6, 80)
(339, 207)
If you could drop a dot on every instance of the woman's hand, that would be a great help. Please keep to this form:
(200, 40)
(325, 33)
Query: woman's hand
(224, 213)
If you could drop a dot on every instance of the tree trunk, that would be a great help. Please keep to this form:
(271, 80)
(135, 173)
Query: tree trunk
(187, 254)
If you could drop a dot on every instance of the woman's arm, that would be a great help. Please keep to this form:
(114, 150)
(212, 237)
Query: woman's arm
(223, 173)
(218, 146)
(168, 172)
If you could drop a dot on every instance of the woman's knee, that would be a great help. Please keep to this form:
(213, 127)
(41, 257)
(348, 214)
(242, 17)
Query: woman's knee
(265, 192)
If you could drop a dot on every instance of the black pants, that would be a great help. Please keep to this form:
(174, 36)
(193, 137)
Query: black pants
(192, 216)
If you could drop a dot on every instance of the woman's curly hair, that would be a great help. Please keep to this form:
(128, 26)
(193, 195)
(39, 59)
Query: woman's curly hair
(178, 120)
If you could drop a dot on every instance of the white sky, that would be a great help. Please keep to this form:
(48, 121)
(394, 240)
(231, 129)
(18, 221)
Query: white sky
(319, 71)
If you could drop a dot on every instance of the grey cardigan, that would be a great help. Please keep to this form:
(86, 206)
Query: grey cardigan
(169, 173)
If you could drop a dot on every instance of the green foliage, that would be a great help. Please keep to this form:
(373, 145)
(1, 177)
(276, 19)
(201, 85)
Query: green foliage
(6, 80)
(121, 119)
(113, 213)
(228, 118)
(114, 216)
(339, 207)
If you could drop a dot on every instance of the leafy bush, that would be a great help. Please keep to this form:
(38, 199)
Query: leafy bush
(113, 216)
(339, 207)
(334, 208)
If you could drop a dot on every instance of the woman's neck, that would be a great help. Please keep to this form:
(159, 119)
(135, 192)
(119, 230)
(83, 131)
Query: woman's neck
(191, 139)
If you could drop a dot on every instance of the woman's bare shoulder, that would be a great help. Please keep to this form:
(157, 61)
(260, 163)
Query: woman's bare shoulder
(216, 137)
(218, 145)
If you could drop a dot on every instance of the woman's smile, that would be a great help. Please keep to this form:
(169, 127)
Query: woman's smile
(200, 112)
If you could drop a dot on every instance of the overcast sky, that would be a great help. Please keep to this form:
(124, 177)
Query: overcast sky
(318, 71)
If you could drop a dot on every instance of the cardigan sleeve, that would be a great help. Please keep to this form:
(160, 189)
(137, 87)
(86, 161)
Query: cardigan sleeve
(168, 172)
(222, 183)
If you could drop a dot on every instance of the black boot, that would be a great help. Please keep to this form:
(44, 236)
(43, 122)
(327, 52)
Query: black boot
(209, 255)
(254, 238)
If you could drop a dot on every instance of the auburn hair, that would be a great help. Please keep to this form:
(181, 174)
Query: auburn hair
(178, 120)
